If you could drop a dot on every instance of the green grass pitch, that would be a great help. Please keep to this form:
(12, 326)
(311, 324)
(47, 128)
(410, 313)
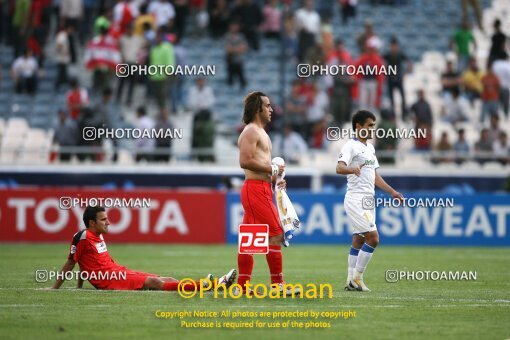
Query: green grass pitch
(408, 310)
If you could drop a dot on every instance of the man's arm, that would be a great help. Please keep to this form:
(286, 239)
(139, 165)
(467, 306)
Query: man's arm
(68, 266)
(248, 151)
(381, 184)
(343, 169)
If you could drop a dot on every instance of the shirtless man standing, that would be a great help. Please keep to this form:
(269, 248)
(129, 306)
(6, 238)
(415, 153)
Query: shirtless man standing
(256, 195)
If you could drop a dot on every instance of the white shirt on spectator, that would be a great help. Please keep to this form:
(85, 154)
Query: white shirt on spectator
(291, 147)
(142, 123)
(500, 149)
(310, 21)
(318, 109)
(162, 11)
(71, 9)
(201, 99)
(25, 67)
(130, 47)
(502, 70)
(63, 54)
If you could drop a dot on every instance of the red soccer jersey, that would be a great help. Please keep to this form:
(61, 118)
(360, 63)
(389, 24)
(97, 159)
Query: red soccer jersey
(89, 251)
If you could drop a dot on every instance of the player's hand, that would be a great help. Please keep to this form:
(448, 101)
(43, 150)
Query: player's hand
(356, 170)
(282, 185)
(397, 195)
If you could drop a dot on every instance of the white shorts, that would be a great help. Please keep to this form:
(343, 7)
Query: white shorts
(360, 209)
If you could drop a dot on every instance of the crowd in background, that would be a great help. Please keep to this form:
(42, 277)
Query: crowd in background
(102, 34)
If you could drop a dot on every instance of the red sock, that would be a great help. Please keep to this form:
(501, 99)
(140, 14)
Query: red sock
(175, 285)
(275, 262)
(245, 266)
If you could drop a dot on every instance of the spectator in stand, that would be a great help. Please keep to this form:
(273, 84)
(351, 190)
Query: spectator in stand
(462, 40)
(472, 80)
(501, 68)
(295, 109)
(455, 108)
(161, 54)
(291, 146)
(24, 72)
(327, 40)
(144, 146)
(421, 110)
(142, 19)
(498, 46)
(62, 55)
(219, 19)
(201, 96)
(124, 14)
(272, 24)
(290, 37)
(370, 85)
(71, 13)
(461, 147)
(490, 94)
(494, 128)
(20, 26)
(249, 15)
(317, 110)
(66, 134)
(130, 47)
(450, 80)
(308, 24)
(475, 4)
(362, 38)
(181, 17)
(163, 11)
(162, 144)
(103, 21)
(423, 143)
(319, 137)
(387, 144)
(348, 10)
(340, 86)
(395, 57)
(501, 148)
(88, 119)
(77, 98)
(204, 132)
(443, 146)
(483, 147)
(102, 56)
(235, 48)
(106, 111)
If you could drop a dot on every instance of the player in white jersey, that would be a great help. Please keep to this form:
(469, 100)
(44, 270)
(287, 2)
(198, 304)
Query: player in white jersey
(358, 161)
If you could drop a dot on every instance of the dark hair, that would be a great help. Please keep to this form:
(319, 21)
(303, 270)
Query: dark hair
(361, 117)
(252, 105)
(141, 111)
(90, 213)
(107, 92)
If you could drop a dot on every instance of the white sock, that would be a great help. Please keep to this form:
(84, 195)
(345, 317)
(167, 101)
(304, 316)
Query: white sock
(364, 256)
(351, 261)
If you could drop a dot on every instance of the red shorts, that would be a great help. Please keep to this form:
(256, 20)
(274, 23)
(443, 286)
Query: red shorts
(257, 200)
(134, 281)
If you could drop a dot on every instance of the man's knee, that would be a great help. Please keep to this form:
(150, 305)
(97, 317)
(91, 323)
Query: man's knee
(276, 240)
(153, 283)
(372, 239)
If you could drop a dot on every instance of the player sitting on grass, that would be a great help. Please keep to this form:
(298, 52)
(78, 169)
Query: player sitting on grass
(88, 249)
(358, 161)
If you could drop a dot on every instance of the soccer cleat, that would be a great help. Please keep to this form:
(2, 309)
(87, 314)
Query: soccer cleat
(287, 290)
(228, 279)
(210, 279)
(357, 283)
(349, 278)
